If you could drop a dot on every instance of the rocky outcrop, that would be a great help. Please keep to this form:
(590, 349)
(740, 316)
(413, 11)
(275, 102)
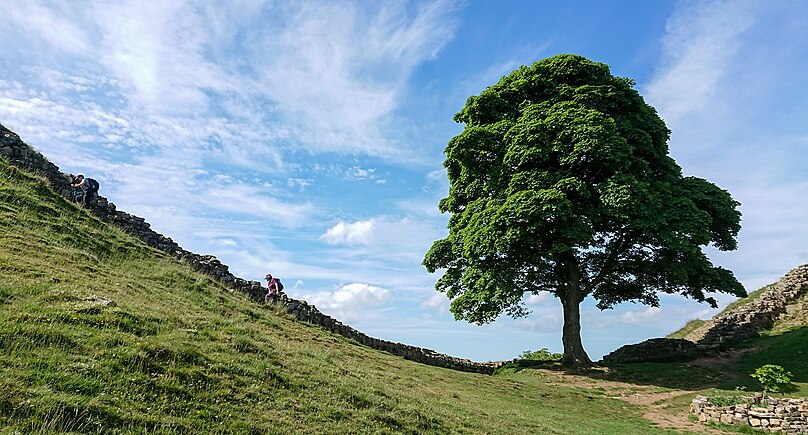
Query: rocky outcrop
(22, 155)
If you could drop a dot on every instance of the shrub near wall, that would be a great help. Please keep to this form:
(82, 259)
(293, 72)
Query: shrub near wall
(789, 416)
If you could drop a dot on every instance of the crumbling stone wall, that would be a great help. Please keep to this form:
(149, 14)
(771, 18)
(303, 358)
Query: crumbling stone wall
(738, 324)
(789, 416)
(759, 314)
(24, 156)
(656, 350)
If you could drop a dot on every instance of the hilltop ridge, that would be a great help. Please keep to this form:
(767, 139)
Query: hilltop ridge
(24, 156)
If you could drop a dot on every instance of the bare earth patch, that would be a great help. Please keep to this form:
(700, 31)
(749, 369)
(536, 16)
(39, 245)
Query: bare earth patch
(653, 400)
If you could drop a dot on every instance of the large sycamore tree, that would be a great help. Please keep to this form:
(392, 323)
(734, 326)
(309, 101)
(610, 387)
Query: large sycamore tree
(561, 182)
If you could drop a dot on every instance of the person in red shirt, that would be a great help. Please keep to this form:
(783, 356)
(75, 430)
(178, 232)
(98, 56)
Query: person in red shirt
(273, 289)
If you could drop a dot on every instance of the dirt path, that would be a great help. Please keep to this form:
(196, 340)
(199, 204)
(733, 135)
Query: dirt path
(663, 414)
(653, 400)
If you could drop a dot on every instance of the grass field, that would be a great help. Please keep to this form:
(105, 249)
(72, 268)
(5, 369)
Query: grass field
(102, 334)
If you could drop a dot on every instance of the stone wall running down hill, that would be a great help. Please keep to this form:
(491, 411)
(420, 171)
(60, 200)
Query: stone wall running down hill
(746, 320)
(740, 323)
(24, 156)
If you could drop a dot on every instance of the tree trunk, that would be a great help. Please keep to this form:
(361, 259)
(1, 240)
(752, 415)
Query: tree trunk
(571, 297)
(574, 354)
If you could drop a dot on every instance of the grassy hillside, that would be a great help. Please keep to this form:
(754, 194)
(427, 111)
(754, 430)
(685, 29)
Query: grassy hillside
(100, 333)
(785, 343)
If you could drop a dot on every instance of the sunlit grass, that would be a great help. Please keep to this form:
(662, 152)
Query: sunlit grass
(102, 334)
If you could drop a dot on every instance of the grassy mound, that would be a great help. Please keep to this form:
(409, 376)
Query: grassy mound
(102, 334)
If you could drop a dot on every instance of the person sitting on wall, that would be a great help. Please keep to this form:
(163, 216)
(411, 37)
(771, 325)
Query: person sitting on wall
(274, 288)
(89, 186)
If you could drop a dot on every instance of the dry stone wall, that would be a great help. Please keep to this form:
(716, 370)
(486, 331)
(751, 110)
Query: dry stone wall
(656, 350)
(737, 324)
(24, 156)
(759, 314)
(789, 416)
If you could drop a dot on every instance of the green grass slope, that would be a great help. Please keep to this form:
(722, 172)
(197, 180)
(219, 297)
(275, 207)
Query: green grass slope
(784, 344)
(102, 334)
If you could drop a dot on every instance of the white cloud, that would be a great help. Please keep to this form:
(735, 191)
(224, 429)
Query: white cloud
(384, 243)
(641, 316)
(350, 233)
(544, 323)
(436, 301)
(336, 72)
(300, 183)
(51, 27)
(358, 174)
(540, 298)
(351, 302)
(159, 50)
(242, 199)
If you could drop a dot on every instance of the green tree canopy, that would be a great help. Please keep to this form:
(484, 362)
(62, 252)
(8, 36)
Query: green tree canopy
(561, 182)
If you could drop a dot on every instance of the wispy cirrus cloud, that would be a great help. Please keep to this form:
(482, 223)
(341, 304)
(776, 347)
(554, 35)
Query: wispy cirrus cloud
(335, 73)
(313, 75)
(727, 87)
(701, 41)
(52, 28)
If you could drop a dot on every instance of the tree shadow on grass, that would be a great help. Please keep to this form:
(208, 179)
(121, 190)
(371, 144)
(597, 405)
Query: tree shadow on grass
(671, 375)
(727, 370)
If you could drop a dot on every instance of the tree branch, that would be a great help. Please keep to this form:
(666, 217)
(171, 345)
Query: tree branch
(608, 264)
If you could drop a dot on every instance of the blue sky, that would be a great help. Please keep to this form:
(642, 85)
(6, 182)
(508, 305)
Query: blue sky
(306, 139)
